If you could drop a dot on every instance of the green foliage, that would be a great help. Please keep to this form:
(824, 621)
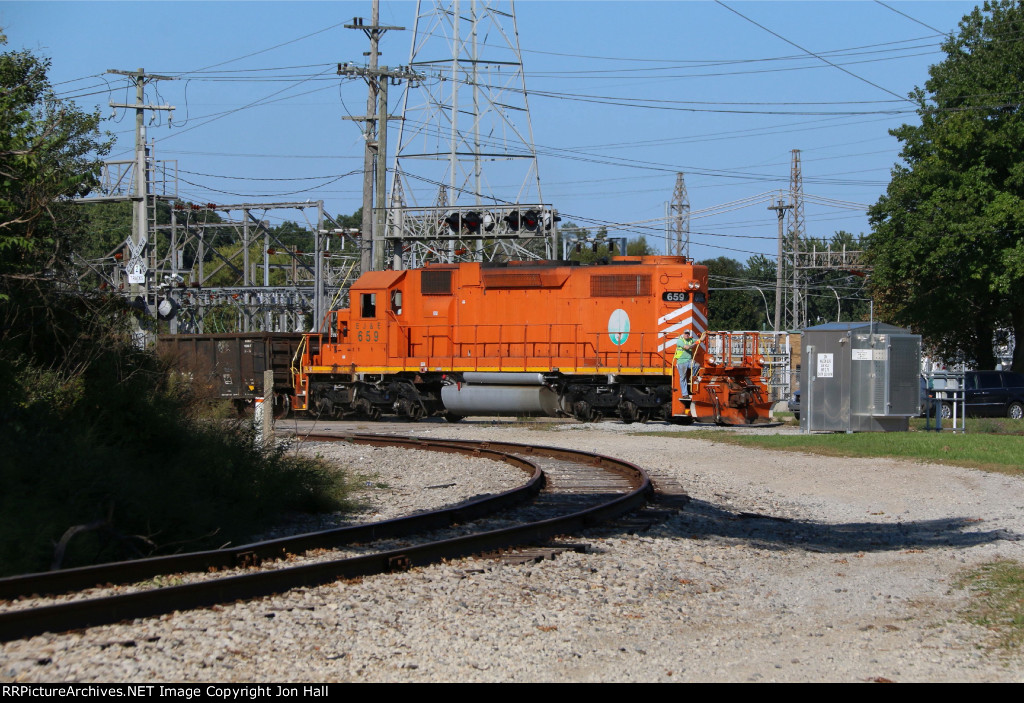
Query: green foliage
(94, 438)
(49, 151)
(742, 297)
(948, 240)
(639, 247)
(735, 301)
(836, 295)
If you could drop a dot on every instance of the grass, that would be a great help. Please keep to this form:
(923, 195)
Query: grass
(997, 601)
(990, 444)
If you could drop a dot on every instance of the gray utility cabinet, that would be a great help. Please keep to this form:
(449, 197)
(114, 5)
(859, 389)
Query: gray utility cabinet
(859, 377)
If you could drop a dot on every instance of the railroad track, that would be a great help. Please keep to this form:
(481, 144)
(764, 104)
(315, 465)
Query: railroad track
(567, 491)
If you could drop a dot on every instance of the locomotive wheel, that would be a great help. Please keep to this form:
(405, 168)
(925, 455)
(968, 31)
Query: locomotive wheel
(452, 417)
(582, 411)
(324, 408)
(628, 412)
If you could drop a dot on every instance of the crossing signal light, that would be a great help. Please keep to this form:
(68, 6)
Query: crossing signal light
(472, 222)
(531, 219)
(454, 222)
(550, 219)
(512, 220)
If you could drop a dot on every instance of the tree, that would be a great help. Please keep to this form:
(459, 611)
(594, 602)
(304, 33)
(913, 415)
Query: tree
(49, 152)
(739, 299)
(947, 245)
(639, 247)
(94, 434)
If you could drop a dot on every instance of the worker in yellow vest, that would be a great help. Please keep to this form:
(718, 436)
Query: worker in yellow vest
(686, 347)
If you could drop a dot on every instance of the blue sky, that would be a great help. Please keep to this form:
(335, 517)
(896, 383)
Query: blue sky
(623, 95)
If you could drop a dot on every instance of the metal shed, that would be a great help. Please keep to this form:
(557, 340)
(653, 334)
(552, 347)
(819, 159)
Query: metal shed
(859, 377)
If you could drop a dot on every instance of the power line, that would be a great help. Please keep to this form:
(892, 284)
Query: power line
(912, 19)
(808, 51)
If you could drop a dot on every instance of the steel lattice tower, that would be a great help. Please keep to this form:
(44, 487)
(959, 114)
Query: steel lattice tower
(679, 214)
(472, 109)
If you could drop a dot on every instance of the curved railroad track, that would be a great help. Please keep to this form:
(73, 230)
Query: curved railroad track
(567, 491)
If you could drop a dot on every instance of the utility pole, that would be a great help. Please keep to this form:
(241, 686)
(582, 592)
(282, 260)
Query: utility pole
(796, 195)
(138, 245)
(780, 209)
(374, 154)
(374, 215)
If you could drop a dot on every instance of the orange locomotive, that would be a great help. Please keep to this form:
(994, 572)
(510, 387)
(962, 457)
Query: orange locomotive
(528, 338)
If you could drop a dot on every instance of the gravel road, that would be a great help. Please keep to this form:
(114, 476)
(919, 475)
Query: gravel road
(782, 567)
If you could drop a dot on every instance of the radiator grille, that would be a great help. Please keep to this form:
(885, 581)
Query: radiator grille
(620, 286)
(436, 283)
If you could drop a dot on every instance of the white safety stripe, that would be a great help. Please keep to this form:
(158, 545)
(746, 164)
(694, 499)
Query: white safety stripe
(671, 331)
(697, 321)
(700, 325)
(675, 313)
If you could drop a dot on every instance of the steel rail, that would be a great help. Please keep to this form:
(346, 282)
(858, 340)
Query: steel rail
(16, 624)
(66, 580)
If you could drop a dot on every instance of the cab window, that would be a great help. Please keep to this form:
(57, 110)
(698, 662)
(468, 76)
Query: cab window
(368, 305)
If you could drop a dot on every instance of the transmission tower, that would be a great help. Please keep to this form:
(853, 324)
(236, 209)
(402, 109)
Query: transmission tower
(471, 109)
(679, 214)
(798, 234)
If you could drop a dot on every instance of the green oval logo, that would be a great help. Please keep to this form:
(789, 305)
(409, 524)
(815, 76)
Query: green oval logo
(618, 327)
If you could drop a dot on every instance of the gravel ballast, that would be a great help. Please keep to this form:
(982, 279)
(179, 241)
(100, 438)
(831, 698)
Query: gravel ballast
(782, 567)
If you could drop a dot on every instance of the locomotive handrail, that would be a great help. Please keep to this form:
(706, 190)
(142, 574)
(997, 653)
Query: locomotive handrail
(466, 344)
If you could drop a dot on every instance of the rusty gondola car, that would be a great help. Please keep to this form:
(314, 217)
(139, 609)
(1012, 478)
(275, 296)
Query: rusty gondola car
(231, 365)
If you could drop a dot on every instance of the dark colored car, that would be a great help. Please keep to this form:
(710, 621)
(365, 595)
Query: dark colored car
(989, 394)
(794, 404)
